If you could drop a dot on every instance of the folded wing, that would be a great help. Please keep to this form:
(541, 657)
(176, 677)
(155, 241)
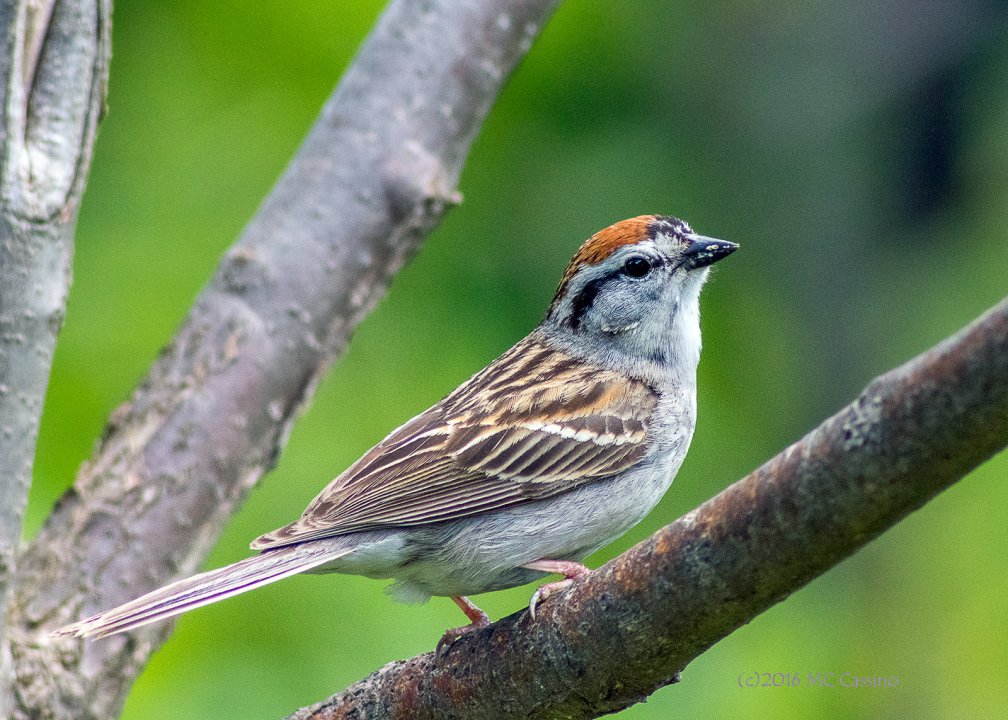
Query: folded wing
(534, 423)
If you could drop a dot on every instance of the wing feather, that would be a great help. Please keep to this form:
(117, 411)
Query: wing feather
(534, 423)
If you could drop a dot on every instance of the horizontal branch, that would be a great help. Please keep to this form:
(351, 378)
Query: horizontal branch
(633, 625)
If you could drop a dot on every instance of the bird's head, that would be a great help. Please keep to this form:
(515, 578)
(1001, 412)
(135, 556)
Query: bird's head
(632, 291)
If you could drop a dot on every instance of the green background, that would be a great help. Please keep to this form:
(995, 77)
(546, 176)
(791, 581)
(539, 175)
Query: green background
(859, 154)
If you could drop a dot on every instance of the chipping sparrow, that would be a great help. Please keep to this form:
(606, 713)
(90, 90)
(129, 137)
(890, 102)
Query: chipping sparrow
(555, 449)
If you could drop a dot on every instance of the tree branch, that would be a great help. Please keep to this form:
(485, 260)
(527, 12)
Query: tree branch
(53, 71)
(633, 625)
(374, 175)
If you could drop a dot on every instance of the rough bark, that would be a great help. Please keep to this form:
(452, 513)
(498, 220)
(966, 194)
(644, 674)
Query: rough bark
(375, 174)
(633, 625)
(53, 71)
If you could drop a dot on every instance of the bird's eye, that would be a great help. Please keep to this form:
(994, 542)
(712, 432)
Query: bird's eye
(636, 267)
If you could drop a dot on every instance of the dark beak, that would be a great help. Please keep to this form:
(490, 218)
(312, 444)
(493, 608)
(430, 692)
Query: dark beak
(704, 251)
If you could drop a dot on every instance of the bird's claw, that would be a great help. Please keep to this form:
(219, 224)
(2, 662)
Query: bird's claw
(544, 592)
(479, 620)
(536, 597)
(453, 634)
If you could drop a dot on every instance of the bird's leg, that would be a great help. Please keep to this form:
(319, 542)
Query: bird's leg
(479, 620)
(569, 569)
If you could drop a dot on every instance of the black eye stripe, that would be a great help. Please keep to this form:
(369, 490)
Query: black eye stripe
(583, 300)
(635, 266)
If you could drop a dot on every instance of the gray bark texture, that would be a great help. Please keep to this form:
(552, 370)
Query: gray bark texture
(53, 71)
(375, 174)
(634, 624)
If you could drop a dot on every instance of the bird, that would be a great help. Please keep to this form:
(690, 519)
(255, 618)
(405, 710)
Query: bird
(552, 451)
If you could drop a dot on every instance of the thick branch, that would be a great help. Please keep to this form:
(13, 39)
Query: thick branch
(53, 70)
(374, 175)
(634, 624)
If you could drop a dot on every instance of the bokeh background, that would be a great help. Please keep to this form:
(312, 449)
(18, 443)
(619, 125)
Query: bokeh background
(857, 151)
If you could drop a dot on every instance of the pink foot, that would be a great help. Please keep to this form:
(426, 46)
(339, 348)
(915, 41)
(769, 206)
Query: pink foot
(570, 570)
(479, 620)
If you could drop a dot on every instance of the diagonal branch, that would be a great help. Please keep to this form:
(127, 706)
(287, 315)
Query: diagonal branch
(53, 70)
(375, 174)
(634, 624)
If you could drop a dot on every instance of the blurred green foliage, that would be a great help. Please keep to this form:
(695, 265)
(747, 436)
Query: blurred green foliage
(859, 154)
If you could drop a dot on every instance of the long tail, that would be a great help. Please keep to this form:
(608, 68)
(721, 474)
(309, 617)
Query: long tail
(206, 588)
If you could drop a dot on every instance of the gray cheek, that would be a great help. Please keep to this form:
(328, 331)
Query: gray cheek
(622, 309)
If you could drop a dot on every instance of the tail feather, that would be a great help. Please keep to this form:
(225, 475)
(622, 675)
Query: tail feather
(206, 588)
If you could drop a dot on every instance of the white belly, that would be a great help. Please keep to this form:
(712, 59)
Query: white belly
(485, 552)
